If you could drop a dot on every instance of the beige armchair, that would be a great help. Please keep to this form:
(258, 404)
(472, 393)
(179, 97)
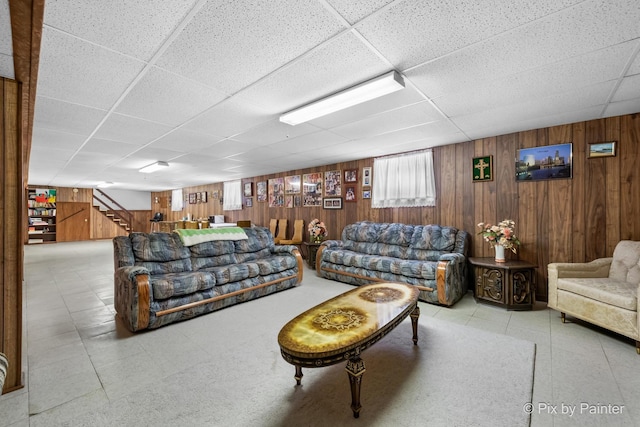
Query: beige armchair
(603, 292)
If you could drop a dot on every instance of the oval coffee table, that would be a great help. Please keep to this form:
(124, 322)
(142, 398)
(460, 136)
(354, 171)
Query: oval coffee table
(341, 328)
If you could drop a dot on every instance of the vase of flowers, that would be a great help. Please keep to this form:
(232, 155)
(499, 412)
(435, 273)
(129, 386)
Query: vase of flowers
(500, 237)
(317, 231)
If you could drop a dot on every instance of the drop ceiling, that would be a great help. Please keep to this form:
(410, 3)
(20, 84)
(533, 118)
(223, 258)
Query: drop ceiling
(201, 83)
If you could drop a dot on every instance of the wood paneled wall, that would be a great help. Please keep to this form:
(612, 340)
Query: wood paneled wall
(569, 220)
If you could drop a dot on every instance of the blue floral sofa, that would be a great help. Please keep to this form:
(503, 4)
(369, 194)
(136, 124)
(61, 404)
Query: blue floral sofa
(431, 257)
(158, 280)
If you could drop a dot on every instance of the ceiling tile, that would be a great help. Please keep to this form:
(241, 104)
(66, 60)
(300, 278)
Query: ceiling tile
(131, 27)
(251, 38)
(274, 131)
(412, 32)
(629, 89)
(354, 11)
(65, 117)
(406, 117)
(96, 146)
(6, 66)
(47, 139)
(185, 141)
(622, 107)
(230, 117)
(544, 43)
(166, 98)
(71, 67)
(564, 76)
(338, 64)
(131, 130)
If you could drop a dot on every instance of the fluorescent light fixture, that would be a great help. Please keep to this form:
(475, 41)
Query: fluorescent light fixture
(375, 88)
(154, 167)
(105, 184)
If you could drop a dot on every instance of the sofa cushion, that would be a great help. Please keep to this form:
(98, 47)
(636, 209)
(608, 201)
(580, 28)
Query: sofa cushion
(276, 264)
(373, 232)
(177, 266)
(625, 265)
(216, 248)
(176, 284)
(609, 291)
(235, 272)
(434, 237)
(158, 247)
(259, 238)
(374, 248)
(408, 268)
(200, 263)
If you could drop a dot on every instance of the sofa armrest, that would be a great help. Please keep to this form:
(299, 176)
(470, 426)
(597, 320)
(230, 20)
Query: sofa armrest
(132, 296)
(598, 268)
(333, 244)
(292, 250)
(454, 258)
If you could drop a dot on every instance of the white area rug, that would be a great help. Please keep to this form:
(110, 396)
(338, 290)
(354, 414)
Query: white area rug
(225, 369)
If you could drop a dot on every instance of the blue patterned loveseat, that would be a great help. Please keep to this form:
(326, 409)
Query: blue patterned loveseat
(431, 257)
(158, 280)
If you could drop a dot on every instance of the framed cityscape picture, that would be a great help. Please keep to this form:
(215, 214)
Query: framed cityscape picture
(544, 162)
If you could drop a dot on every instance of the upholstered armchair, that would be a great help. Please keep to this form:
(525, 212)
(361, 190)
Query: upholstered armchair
(603, 292)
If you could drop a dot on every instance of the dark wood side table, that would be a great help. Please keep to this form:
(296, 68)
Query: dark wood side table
(510, 284)
(311, 249)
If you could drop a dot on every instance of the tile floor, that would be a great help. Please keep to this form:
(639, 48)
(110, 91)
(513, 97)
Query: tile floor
(583, 375)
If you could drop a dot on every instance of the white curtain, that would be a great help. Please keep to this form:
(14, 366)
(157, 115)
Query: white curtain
(176, 200)
(232, 200)
(404, 180)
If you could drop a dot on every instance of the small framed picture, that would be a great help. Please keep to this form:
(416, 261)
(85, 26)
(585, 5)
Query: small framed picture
(204, 196)
(351, 175)
(350, 193)
(332, 203)
(248, 202)
(366, 177)
(482, 169)
(602, 149)
(248, 189)
(261, 189)
(366, 194)
(192, 198)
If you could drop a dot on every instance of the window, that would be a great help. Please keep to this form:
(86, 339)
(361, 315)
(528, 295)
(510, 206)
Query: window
(232, 191)
(176, 200)
(404, 180)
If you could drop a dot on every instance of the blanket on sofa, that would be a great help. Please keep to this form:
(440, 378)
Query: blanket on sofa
(190, 237)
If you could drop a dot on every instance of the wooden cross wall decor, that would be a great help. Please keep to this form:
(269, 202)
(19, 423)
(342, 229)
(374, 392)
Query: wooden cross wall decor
(482, 169)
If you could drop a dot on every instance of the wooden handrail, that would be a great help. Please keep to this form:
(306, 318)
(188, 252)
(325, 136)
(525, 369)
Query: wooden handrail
(116, 212)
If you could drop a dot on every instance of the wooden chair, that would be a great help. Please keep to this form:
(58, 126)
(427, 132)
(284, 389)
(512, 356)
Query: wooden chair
(282, 231)
(273, 226)
(298, 234)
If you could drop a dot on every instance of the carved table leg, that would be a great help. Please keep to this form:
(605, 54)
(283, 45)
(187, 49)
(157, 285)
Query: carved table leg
(355, 369)
(298, 375)
(414, 323)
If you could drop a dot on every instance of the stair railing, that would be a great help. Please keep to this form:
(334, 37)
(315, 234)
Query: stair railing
(120, 213)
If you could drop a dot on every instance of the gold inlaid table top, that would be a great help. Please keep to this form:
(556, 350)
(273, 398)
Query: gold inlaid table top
(346, 324)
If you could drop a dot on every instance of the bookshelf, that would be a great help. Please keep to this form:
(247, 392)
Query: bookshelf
(41, 205)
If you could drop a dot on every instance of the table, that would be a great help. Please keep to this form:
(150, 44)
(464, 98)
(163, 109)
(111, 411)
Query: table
(343, 327)
(510, 284)
(311, 250)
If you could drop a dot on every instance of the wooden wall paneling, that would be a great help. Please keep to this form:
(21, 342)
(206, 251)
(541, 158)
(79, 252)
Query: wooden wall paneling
(629, 152)
(506, 185)
(560, 213)
(612, 183)
(595, 209)
(448, 171)
(578, 244)
(12, 210)
(540, 190)
(464, 200)
(527, 212)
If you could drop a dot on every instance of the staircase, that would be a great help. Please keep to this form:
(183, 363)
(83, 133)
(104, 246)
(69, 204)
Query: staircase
(113, 210)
